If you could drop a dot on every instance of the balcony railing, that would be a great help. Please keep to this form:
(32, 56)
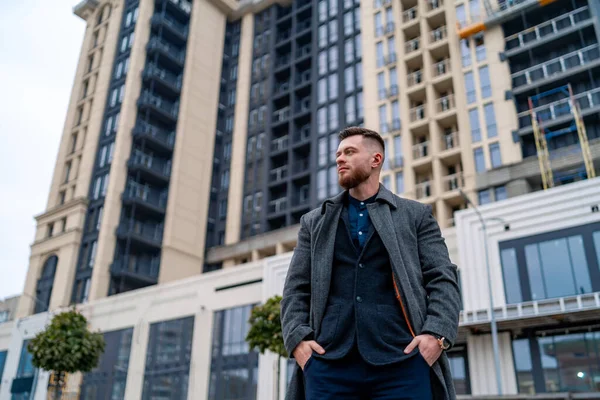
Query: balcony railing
(174, 25)
(137, 266)
(441, 68)
(164, 75)
(445, 103)
(160, 103)
(412, 45)
(434, 4)
(149, 232)
(418, 113)
(453, 182)
(301, 165)
(303, 77)
(390, 27)
(281, 114)
(278, 174)
(562, 107)
(278, 205)
(147, 161)
(284, 60)
(172, 51)
(421, 150)
(556, 66)
(439, 34)
(390, 58)
(134, 190)
(166, 138)
(548, 28)
(303, 26)
(302, 134)
(282, 88)
(415, 78)
(183, 5)
(423, 190)
(393, 91)
(450, 141)
(303, 51)
(410, 15)
(303, 105)
(280, 144)
(285, 35)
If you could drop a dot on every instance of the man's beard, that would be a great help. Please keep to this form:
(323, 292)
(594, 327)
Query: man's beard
(352, 179)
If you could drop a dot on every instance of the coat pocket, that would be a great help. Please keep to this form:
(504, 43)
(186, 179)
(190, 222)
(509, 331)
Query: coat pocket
(392, 325)
(329, 325)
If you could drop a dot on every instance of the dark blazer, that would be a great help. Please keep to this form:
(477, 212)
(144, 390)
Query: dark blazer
(427, 279)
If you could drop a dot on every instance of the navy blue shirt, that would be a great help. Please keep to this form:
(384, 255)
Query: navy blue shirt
(358, 216)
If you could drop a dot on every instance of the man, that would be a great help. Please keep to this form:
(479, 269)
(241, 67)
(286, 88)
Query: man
(371, 299)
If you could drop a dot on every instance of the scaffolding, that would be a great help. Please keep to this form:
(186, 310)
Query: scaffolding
(539, 114)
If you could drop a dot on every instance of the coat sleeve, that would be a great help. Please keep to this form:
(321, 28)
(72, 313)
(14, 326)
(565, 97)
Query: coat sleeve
(295, 303)
(440, 278)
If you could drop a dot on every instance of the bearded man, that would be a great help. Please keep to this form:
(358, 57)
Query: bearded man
(371, 299)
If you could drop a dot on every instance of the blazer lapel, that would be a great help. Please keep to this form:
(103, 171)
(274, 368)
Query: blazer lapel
(322, 257)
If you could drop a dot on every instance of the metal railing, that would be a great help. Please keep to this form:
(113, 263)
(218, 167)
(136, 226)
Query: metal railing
(149, 162)
(556, 65)
(450, 141)
(434, 4)
(302, 134)
(438, 34)
(166, 137)
(303, 105)
(280, 144)
(279, 173)
(421, 150)
(445, 103)
(418, 113)
(410, 15)
(423, 190)
(283, 61)
(281, 114)
(303, 51)
(278, 205)
(151, 232)
(414, 78)
(164, 75)
(160, 103)
(172, 51)
(441, 68)
(453, 182)
(303, 25)
(547, 28)
(412, 45)
(134, 190)
(176, 26)
(303, 77)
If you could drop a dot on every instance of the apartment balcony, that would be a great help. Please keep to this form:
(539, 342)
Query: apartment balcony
(281, 115)
(381, 3)
(169, 52)
(139, 272)
(423, 190)
(184, 7)
(557, 68)
(445, 104)
(412, 46)
(450, 141)
(172, 29)
(302, 135)
(280, 144)
(148, 236)
(284, 36)
(452, 182)
(303, 52)
(303, 26)
(278, 175)
(278, 206)
(548, 30)
(281, 89)
(434, 5)
(441, 68)
(558, 111)
(159, 106)
(421, 150)
(418, 114)
(410, 15)
(144, 197)
(283, 61)
(390, 59)
(303, 78)
(157, 139)
(151, 169)
(438, 35)
(166, 82)
(414, 79)
(303, 106)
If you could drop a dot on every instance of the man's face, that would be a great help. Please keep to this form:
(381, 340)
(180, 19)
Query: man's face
(354, 160)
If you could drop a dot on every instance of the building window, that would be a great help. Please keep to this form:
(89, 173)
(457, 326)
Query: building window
(348, 23)
(323, 62)
(99, 217)
(225, 179)
(107, 380)
(322, 120)
(395, 115)
(67, 172)
(168, 358)
(333, 145)
(333, 116)
(322, 184)
(479, 160)
(383, 125)
(359, 75)
(62, 197)
(484, 81)
(358, 45)
(386, 181)
(459, 366)
(3, 354)
(333, 87)
(333, 8)
(470, 87)
(500, 193)
(399, 183)
(333, 32)
(490, 120)
(322, 10)
(322, 91)
(223, 209)
(323, 36)
(333, 58)
(479, 48)
(379, 56)
(349, 79)
(322, 161)
(350, 110)
(381, 85)
(234, 367)
(25, 368)
(378, 24)
(43, 290)
(484, 197)
(359, 105)
(92, 256)
(461, 16)
(495, 155)
(50, 231)
(333, 180)
(474, 10)
(465, 52)
(475, 128)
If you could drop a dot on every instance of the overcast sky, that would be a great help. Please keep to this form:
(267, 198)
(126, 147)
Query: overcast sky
(39, 49)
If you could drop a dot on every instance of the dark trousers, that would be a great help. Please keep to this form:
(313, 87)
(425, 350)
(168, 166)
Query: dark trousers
(351, 378)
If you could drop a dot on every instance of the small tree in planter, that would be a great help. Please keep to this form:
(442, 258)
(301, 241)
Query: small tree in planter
(66, 346)
(265, 331)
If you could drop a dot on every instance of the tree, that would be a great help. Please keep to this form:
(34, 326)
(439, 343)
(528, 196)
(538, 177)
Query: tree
(66, 346)
(265, 331)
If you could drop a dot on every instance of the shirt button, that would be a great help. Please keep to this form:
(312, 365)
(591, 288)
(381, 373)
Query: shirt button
(362, 203)
(359, 232)
(360, 215)
(359, 299)
(361, 265)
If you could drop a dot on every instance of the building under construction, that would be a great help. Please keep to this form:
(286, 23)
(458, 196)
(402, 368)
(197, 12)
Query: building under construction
(553, 52)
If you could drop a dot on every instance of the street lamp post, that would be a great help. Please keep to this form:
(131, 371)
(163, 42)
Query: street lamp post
(494, 327)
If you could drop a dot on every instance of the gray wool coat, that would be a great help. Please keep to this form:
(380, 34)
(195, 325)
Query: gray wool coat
(427, 279)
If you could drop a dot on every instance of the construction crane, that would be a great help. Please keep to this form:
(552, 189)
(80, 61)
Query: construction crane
(505, 11)
(556, 109)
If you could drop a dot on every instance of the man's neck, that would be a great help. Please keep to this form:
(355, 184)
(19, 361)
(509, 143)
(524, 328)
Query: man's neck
(367, 189)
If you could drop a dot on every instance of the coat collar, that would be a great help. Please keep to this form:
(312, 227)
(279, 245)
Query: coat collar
(384, 195)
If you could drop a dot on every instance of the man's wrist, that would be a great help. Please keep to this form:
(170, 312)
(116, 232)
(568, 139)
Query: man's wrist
(442, 341)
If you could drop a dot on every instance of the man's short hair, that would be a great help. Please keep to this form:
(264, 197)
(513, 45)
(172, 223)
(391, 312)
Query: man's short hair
(364, 132)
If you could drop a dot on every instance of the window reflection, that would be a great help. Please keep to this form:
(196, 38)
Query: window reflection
(523, 368)
(511, 276)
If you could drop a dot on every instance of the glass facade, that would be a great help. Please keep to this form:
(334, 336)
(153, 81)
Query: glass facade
(108, 379)
(234, 368)
(550, 265)
(3, 355)
(459, 366)
(43, 289)
(168, 359)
